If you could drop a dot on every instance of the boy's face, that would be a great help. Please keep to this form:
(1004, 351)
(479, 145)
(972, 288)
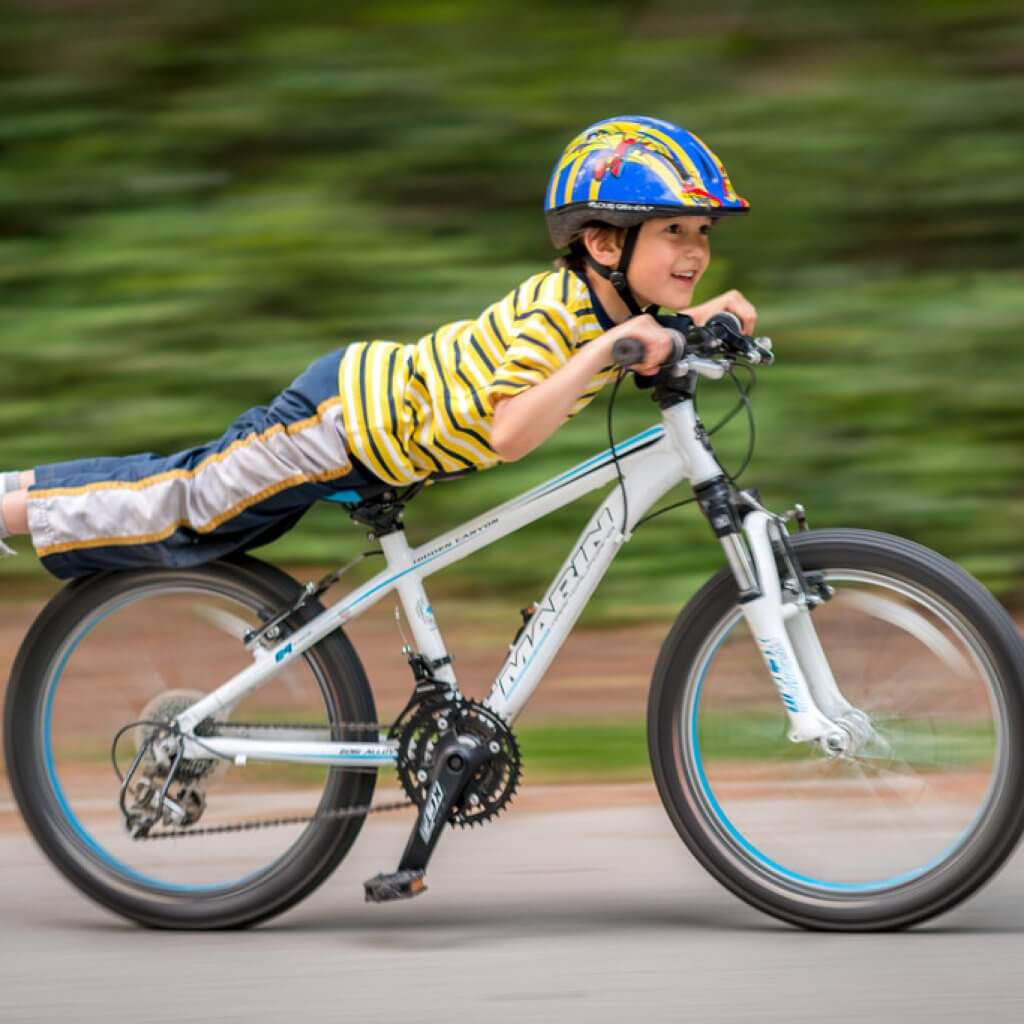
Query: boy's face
(670, 257)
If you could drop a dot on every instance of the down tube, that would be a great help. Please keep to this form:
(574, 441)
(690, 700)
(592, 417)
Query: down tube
(576, 580)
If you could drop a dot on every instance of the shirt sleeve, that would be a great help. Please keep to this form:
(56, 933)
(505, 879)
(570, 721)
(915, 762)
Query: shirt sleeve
(542, 342)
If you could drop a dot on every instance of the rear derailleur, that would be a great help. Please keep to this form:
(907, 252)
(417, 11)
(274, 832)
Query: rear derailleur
(162, 787)
(459, 762)
(154, 802)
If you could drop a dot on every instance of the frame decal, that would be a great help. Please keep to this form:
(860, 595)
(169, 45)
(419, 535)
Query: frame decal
(555, 602)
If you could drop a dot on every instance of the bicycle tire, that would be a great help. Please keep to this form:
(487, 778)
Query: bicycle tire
(77, 837)
(742, 812)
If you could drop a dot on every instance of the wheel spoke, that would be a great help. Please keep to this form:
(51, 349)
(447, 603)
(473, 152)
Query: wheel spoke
(143, 648)
(900, 825)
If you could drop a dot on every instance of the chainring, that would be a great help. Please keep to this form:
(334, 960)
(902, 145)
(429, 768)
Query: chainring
(420, 732)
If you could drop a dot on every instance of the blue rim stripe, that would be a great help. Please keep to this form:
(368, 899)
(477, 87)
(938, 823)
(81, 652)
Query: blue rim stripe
(766, 861)
(69, 815)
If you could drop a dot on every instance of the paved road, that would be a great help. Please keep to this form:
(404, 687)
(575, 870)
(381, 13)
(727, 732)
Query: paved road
(595, 915)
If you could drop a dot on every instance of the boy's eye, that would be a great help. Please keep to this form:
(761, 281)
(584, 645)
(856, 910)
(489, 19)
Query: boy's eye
(677, 229)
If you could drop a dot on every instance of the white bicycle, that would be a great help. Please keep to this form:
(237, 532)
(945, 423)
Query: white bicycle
(834, 722)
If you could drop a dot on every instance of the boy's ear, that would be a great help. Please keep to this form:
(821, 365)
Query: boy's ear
(604, 243)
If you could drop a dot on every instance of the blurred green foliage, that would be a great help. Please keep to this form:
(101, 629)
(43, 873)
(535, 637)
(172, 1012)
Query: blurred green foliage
(196, 200)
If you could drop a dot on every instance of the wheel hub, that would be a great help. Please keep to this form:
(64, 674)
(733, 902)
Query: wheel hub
(165, 707)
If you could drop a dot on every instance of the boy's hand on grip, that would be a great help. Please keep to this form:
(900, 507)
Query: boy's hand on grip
(650, 346)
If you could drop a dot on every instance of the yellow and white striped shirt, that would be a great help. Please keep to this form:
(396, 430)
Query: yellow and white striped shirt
(411, 411)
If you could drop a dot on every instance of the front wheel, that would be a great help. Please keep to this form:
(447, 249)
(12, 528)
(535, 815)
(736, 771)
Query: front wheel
(894, 833)
(122, 648)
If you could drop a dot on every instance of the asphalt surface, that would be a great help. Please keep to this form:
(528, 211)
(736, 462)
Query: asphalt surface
(594, 914)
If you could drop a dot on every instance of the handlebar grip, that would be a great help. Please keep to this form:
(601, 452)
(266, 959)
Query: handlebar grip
(627, 352)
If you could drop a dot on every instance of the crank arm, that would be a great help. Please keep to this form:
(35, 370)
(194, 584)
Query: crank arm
(457, 762)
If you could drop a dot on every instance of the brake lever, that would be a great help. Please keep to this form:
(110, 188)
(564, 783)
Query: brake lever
(765, 350)
(726, 329)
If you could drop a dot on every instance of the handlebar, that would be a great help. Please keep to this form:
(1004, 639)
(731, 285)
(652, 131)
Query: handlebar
(627, 352)
(719, 341)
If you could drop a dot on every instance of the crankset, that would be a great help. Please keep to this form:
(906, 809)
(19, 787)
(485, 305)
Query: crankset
(460, 763)
(426, 729)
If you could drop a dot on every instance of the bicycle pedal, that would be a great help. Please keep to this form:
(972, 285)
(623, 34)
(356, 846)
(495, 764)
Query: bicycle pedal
(395, 885)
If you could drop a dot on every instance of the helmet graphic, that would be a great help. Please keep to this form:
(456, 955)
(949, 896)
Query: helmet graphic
(625, 170)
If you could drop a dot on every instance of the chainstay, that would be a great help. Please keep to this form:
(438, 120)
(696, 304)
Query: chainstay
(339, 813)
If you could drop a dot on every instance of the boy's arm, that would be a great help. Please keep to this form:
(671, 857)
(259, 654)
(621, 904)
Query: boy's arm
(524, 421)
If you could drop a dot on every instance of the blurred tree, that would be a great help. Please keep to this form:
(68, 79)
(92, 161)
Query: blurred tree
(197, 199)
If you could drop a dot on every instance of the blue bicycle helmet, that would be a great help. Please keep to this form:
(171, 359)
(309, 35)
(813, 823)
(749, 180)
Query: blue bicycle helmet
(625, 170)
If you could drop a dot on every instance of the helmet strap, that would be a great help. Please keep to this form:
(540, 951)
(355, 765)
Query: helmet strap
(618, 277)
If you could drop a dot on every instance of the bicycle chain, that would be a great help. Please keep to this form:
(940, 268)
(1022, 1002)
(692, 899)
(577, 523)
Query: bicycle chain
(250, 826)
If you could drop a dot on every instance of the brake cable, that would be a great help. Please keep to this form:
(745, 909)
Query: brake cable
(743, 404)
(615, 455)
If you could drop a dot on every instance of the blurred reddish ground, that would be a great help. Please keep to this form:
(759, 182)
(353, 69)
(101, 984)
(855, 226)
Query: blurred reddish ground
(598, 673)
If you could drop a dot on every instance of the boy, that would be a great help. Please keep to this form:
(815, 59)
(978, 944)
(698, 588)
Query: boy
(633, 198)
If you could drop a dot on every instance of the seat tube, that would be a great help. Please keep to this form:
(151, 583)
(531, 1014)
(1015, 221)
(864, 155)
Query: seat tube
(419, 612)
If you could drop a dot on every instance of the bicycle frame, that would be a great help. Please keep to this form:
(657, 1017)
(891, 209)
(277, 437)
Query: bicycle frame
(651, 463)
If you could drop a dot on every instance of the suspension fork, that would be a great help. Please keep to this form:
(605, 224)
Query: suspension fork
(784, 633)
(793, 654)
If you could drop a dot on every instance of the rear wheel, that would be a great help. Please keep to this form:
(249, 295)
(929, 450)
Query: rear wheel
(117, 648)
(902, 829)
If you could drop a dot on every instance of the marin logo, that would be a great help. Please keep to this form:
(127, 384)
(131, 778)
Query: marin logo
(548, 612)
